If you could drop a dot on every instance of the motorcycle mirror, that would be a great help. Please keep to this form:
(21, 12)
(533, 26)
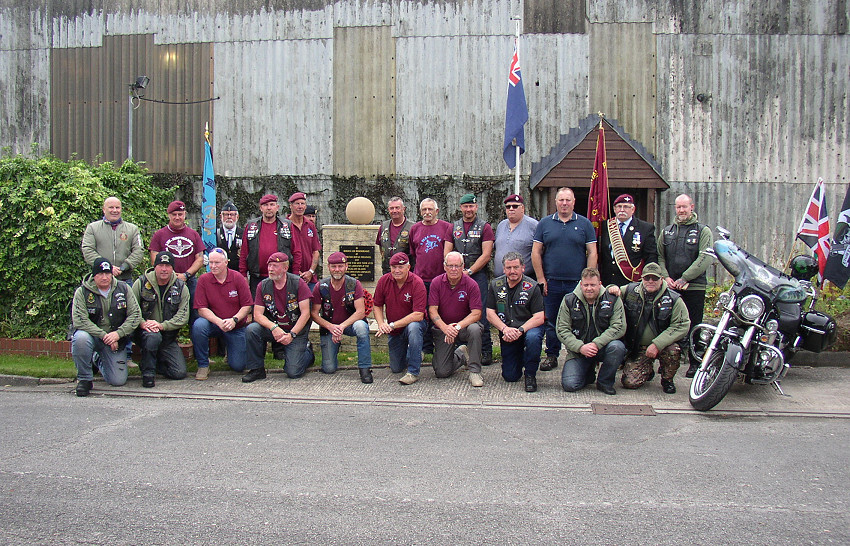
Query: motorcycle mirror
(725, 233)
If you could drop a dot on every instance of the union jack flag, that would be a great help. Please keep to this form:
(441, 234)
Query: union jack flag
(814, 228)
(516, 113)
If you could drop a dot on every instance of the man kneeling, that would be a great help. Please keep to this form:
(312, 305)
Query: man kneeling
(656, 318)
(164, 301)
(590, 324)
(282, 314)
(339, 307)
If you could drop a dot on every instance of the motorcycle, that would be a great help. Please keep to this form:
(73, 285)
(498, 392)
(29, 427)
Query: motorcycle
(764, 323)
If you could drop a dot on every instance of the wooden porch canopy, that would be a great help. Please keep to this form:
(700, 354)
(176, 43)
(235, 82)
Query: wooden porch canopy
(631, 168)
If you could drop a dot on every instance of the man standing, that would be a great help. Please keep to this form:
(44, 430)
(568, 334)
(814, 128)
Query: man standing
(104, 314)
(430, 241)
(656, 318)
(515, 234)
(590, 323)
(399, 305)
(626, 244)
(454, 305)
(564, 244)
(185, 244)
(164, 303)
(115, 239)
(223, 301)
(515, 308)
(473, 238)
(305, 240)
(394, 234)
(229, 235)
(680, 251)
(282, 315)
(339, 309)
(261, 238)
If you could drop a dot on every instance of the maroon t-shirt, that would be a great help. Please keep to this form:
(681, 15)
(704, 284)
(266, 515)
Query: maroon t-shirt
(428, 244)
(281, 297)
(340, 313)
(184, 244)
(306, 240)
(394, 231)
(454, 303)
(486, 232)
(224, 299)
(400, 302)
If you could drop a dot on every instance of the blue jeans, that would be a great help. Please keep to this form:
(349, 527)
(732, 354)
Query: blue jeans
(234, 340)
(330, 350)
(113, 364)
(407, 347)
(297, 355)
(579, 371)
(523, 353)
(552, 303)
(486, 340)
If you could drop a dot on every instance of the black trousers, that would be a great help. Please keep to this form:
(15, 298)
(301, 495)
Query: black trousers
(695, 302)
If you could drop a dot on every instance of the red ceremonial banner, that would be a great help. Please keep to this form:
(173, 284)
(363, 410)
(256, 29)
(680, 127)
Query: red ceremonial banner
(597, 203)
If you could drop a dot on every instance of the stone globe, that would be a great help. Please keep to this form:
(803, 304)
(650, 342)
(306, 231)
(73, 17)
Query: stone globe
(360, 211)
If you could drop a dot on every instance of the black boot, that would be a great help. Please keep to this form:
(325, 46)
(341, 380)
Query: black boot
(253, 375)
(83, 387)
(366, 375)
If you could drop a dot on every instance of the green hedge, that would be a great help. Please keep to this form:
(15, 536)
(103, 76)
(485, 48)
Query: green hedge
(45, 205)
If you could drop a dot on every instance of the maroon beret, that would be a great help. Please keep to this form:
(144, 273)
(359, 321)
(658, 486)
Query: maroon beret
(513, 198)
(268, 198)
(296, 196)
(176, 205)
(277, 257)
(399, 258)
(625, 198)
(336, 258)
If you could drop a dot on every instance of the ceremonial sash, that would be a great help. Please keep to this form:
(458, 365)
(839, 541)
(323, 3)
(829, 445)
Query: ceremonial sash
(621, 257)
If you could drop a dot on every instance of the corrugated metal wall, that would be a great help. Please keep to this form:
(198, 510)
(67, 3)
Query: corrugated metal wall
(90, 108)
(774, 75)
(364, 102)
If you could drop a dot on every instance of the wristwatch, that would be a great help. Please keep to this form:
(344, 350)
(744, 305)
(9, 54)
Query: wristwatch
(391, 324)
(457, 327)
(521, 330)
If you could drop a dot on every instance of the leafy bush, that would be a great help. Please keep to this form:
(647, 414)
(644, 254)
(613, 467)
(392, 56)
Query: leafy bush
(46, 204)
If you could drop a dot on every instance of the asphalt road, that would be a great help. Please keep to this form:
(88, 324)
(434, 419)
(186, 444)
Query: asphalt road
(135, 470)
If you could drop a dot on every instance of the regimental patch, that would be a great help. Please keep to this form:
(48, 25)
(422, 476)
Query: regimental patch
(476, 233)
(457, 233)
(309, 232)
(252, 231)
(267, 297)
(180, 246)
(605, 305)
(123, 236)
(461, 295)
(526, 285)
(233, 294)
(148, 285)
(502, 294)
(402, 234)
(292, 303)
(90, 298)
(407, 296)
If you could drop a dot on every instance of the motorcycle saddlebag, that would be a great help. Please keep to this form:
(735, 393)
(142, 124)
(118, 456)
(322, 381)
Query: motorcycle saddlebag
(818, 331)
(789, 317)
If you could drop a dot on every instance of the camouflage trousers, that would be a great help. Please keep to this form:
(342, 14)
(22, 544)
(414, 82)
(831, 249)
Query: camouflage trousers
(636, 371)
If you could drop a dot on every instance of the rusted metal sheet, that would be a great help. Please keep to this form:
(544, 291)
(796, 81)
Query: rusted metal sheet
(554, 16)
(364, 101)
(622, 77)
(24, 99)
(90, 108)
(455, 17)
(275, 115)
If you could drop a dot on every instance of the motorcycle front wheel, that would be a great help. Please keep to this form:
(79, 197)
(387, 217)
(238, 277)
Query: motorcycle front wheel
(709, 386)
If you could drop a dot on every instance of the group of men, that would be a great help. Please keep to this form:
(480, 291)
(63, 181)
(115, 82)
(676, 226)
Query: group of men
(436, 294)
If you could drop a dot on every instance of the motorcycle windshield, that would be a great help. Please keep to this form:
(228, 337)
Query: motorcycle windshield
(747, 269)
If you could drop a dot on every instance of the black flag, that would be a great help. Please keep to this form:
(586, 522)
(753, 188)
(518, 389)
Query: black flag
(837, 269)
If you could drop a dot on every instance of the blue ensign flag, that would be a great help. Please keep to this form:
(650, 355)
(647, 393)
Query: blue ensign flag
(516, 114)
(208, 200)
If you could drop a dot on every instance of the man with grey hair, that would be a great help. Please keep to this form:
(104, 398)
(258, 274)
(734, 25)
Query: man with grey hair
(680, 251)
(430, 241)
(394, 234)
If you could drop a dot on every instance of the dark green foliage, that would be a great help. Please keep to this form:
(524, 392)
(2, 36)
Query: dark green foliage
(45, 205)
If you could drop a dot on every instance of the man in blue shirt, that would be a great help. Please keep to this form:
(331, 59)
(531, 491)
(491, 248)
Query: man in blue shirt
(564, 244)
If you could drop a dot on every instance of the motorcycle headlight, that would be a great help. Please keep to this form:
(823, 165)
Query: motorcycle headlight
(751, 307)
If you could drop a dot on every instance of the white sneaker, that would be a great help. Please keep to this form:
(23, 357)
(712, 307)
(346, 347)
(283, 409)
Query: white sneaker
(475, 380)
(202, 374)
(408, 379)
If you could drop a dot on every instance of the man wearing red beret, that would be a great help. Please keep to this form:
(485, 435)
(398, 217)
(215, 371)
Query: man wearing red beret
(626, 244)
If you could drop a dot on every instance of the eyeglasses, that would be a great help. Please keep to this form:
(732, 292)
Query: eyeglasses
(651, 278)
(512, 206)
(453, 266)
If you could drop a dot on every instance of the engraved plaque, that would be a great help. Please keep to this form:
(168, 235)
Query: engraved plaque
(361, 261)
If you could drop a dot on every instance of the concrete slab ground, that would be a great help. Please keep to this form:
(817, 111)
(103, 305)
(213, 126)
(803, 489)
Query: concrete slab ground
(819, 391)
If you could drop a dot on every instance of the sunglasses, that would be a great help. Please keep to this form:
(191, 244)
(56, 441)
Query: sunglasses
(652, 278)
(218, 250)
(512, 206)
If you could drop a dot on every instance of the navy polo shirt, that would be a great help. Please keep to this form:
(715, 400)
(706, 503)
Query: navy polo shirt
(564, 246)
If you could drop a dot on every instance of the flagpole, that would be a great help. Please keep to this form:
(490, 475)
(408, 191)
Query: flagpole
(516, 173)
